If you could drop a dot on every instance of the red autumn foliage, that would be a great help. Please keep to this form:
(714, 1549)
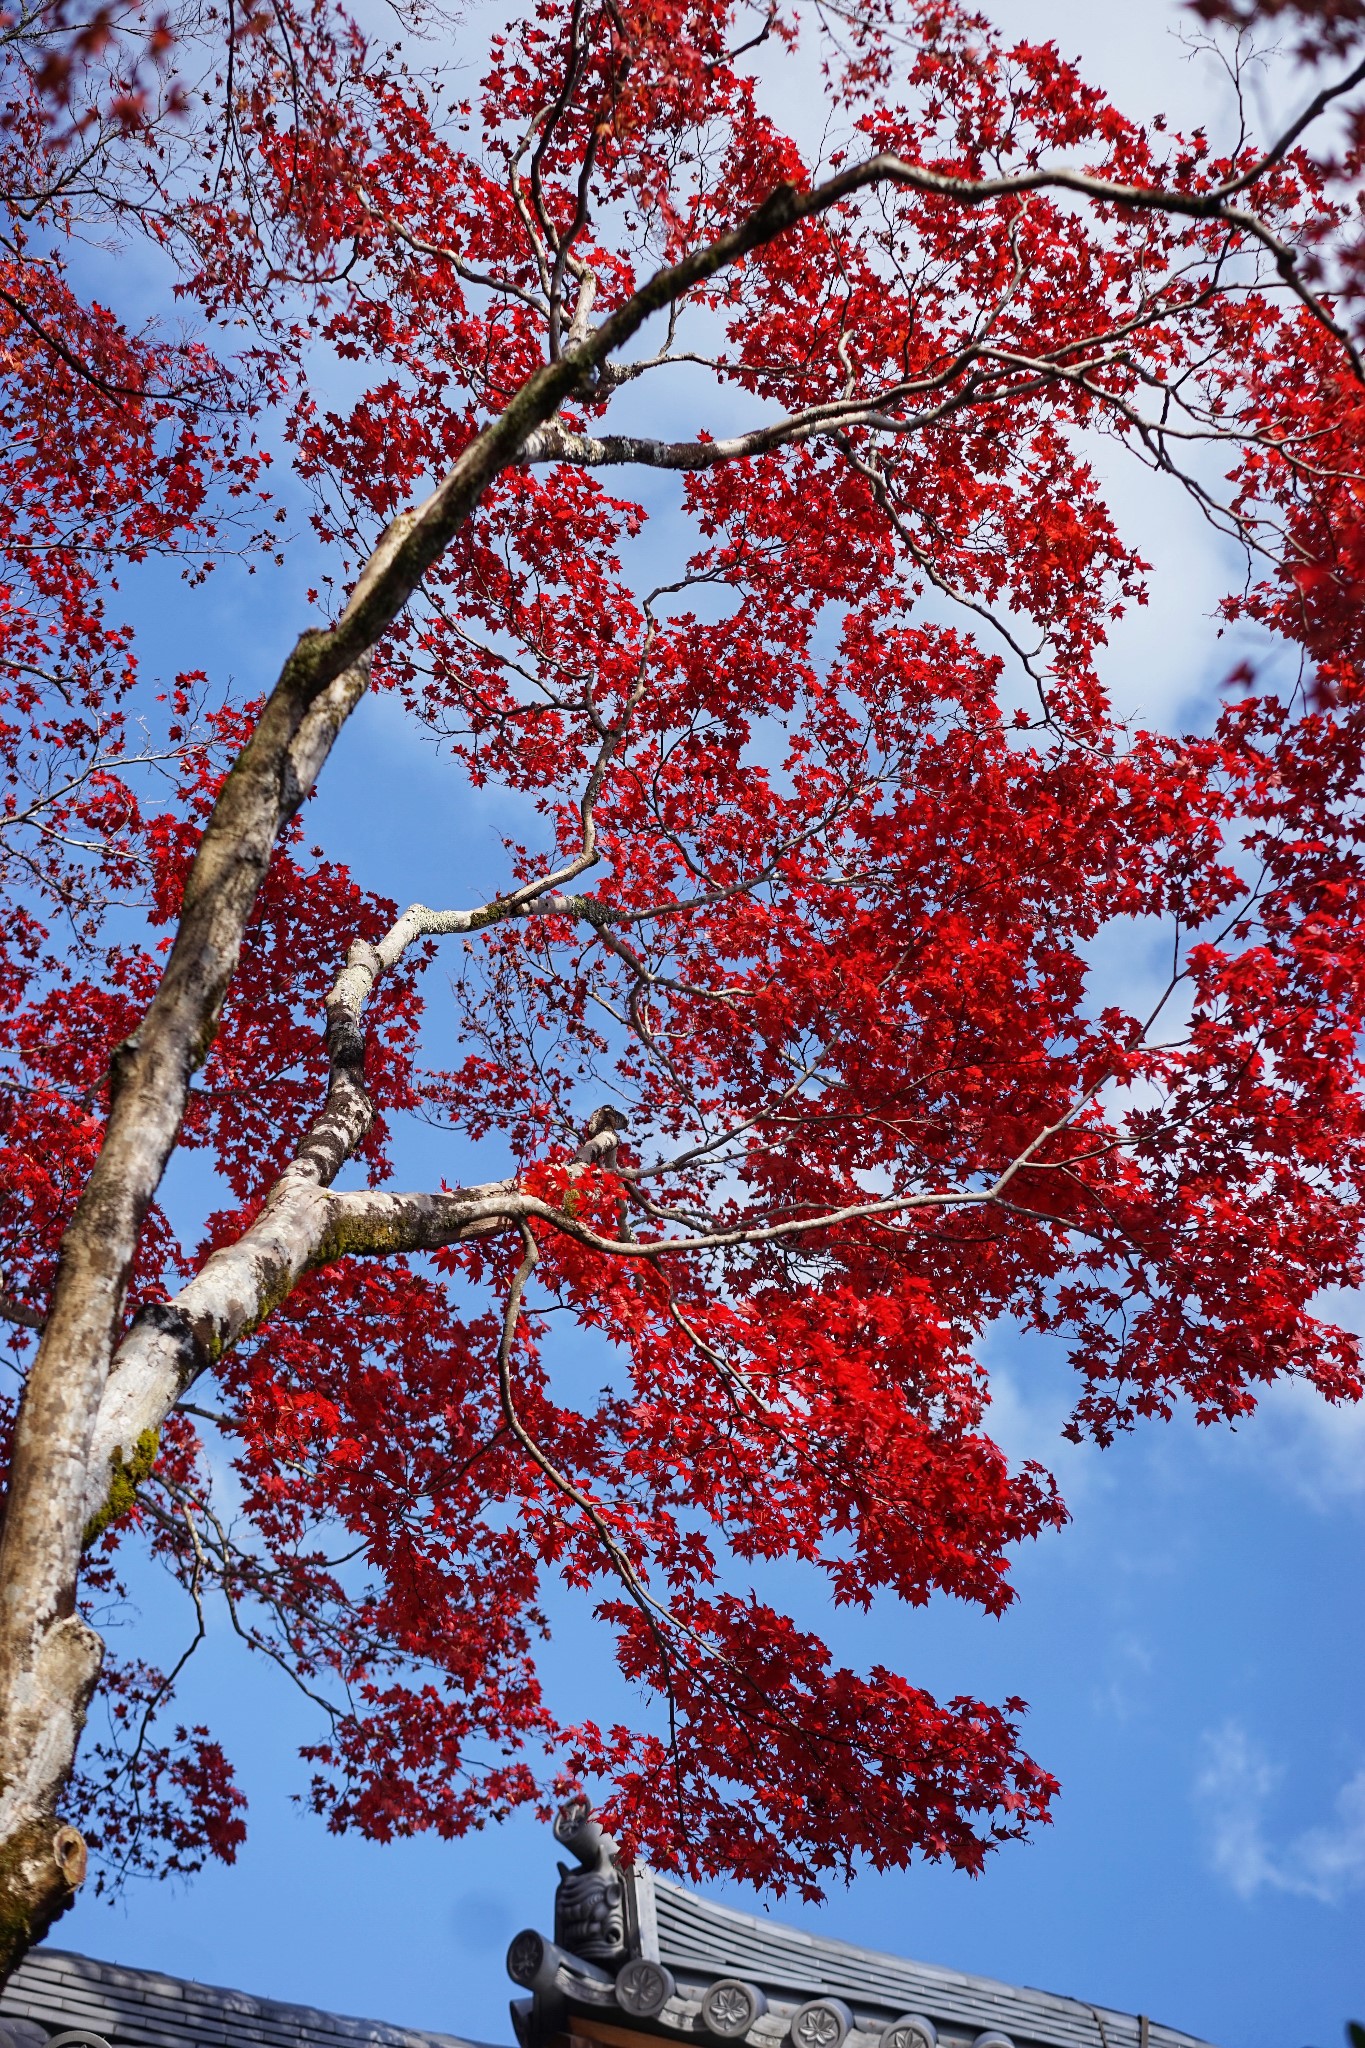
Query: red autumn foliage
(821, 825)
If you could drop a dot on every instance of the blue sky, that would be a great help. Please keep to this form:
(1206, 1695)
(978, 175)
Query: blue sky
(1191, 1646)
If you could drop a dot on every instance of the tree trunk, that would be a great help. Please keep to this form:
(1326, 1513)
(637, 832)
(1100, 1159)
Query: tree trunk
(42, 1860)
(49, 1658)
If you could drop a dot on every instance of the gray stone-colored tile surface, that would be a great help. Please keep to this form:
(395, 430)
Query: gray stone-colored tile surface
(699, 1939)
(142, 2009)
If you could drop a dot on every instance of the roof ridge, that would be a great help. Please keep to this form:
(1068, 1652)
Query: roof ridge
(778, 1932)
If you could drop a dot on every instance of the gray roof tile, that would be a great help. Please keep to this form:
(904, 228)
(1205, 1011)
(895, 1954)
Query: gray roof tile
(143, 2009)
(698, 1938)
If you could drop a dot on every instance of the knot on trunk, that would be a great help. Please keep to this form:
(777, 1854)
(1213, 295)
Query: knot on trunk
(41, 1870)
(70, 1855)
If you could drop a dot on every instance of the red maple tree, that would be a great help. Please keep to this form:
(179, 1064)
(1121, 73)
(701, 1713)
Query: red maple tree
(781, 1033)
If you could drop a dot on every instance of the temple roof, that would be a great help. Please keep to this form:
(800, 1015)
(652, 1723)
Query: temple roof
(633, 1956)
(696, 1936)
(636, 1955)
(53, 1993)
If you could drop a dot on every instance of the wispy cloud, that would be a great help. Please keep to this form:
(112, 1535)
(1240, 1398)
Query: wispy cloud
(1031, 1398)
(1123, 1693)
(1303, 1445)
(1235, 1789)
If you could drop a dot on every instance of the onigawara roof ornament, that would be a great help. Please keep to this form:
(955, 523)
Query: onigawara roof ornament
(637, 1960)
(590, 1914)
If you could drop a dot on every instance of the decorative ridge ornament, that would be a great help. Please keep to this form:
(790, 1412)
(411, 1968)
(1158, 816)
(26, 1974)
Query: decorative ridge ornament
(590, 1902)
(525, 1956)
(731, 2007)
(911, 2030)
(821, 2023)
(644, 1988)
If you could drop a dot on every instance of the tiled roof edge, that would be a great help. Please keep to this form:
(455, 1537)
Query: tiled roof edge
(45, 1969)
(774, 1934)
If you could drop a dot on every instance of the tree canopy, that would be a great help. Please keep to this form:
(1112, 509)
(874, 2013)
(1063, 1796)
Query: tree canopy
(782, 1038)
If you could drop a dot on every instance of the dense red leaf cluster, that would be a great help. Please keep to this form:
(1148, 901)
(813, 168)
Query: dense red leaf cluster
(833, 705)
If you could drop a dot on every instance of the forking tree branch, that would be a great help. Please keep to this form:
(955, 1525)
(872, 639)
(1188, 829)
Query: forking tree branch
(303, 1226)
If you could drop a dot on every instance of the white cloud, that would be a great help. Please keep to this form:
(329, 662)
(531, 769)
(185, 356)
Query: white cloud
(1303, 1445)
(1296, 1445)
(1124, 1693)
(1028, 1411)
(1154, 58)
(1234, 1790)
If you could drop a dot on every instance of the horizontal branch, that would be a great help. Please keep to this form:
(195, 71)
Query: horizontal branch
(13, 1310)
(300, 1228)
(304, 1227)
